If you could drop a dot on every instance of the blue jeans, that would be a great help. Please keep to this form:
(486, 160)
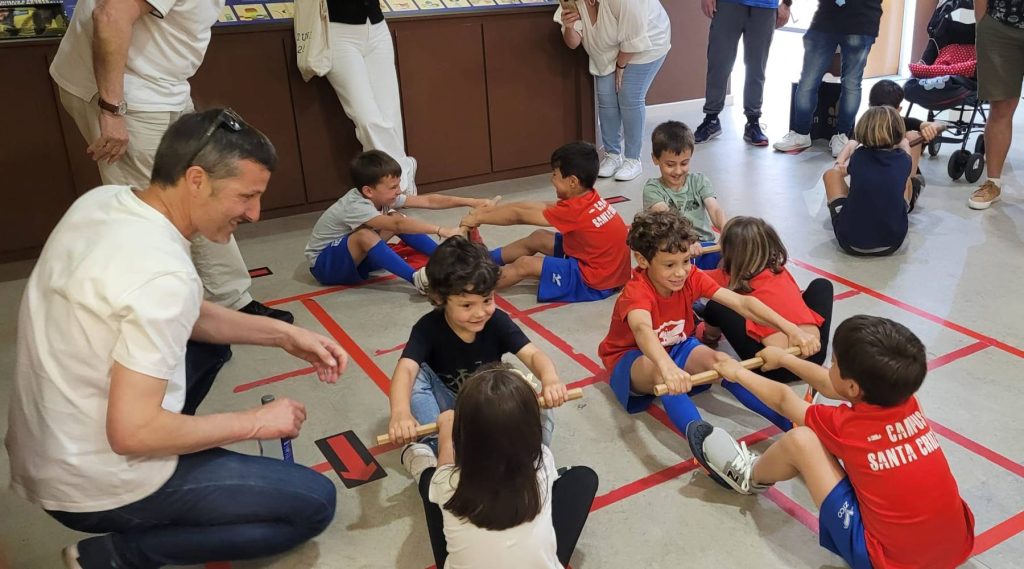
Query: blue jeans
(217, 506)
(819, 47)
(626, 110)
(431, 397)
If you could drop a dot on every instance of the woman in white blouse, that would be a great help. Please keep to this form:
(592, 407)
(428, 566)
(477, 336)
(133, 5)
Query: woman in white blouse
(627, 41)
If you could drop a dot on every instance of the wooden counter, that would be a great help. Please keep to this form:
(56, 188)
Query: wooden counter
(486, 96)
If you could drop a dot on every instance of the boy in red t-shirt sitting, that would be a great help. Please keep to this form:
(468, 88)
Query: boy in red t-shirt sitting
(650, 340)
(587, 259)
(893, 501)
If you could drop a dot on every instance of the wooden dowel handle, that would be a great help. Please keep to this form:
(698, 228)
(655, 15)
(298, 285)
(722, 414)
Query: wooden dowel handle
(431, 428)
(716, 248)
(712, 375)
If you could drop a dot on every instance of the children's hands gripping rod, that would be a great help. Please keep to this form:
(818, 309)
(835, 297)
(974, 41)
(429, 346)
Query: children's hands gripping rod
(711, 376)
(431, 428)
(939, 127)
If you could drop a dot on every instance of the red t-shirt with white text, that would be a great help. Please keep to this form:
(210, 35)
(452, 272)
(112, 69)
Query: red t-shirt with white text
(913, 515)
(671, 316)
(594, 234)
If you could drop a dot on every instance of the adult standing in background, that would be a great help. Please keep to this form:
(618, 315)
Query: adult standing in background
(755, 21)
(1000, 46)
(122, 70)
(627, 41)
(852, 26)
(364, 77)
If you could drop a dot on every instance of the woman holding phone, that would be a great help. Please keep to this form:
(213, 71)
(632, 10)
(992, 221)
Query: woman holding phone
(627, 41)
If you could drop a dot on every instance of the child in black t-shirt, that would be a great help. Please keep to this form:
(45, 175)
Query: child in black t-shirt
(446, 346)
(869, 215)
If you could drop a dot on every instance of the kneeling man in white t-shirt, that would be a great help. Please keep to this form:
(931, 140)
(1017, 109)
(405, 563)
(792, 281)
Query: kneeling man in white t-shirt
(97, 436)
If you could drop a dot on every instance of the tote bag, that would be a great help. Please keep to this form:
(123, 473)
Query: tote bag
(312, 38)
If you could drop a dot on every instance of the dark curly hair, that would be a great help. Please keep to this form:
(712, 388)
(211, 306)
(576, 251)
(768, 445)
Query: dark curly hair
(654, 231)
(459, 266)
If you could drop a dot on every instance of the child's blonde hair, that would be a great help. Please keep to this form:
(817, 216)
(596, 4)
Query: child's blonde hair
(749, 246)
(880, 128)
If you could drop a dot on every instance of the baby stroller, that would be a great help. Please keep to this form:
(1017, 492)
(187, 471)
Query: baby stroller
(945, 80)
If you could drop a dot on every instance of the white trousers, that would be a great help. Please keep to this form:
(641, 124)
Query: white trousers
(364, 77)
(220, 266)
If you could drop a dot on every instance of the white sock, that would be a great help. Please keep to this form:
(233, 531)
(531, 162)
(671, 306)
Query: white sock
(997, 182)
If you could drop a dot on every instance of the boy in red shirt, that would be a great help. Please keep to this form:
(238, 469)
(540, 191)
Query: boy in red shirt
(587, 259)
(650, 340)
(893, 502)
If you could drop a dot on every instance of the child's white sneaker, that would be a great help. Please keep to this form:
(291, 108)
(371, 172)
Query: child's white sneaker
(631, 168)
(729, 463)
(419, 280)
(70, 557)
(838, 142)
(417, 457)
(609, 165)
(793, 141)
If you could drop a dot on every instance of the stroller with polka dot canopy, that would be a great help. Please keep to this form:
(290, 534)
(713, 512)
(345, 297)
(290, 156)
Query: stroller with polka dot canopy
(945, 82)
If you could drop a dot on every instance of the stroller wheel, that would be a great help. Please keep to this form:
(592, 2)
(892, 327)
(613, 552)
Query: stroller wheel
(979, 145)
(975, 166)
(958, 164)
(933, 147)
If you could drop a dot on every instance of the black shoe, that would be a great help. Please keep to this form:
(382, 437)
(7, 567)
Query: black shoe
(916, 183)
(753, 134)
(258, 309)
(710, 128)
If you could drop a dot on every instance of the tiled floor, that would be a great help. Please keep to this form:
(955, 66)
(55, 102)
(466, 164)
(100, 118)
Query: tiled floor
(954, 283)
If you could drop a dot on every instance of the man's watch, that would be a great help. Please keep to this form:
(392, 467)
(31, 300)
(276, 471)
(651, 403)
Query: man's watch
(120, 109)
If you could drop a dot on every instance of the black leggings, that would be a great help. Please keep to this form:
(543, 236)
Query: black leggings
(818, 298)
(572, 494)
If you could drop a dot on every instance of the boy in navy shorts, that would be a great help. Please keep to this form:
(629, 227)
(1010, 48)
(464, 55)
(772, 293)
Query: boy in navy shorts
(650, 340)
(587, 259)
(874, 467)
(350, 239)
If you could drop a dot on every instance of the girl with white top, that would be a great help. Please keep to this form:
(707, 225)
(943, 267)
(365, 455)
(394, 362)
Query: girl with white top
(496, 499)
(627, 41)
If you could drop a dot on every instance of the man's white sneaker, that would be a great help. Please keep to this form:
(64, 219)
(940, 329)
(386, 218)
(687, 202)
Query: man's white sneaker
(417, 457)
(837, 144)
(729, 463)
(70, 557)
(609, 165)
(631, 168)
(419, 280)
(793, 141)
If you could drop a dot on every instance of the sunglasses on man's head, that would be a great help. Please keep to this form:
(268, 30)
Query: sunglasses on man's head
(228, 119)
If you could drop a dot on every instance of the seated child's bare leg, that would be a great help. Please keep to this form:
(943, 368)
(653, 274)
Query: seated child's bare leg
(528, 267)
(800, 452)
(540, 241)
(361, 241)
(367, 244)
(644, 375)
(835, 184)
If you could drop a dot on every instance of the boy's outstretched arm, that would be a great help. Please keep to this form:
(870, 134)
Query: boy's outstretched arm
(441, 201)
(641, 324)
(815, 375)
(397, 223)
(540, 365)
(715, 212)
(753, 309)
(776, 395)
(517, 213)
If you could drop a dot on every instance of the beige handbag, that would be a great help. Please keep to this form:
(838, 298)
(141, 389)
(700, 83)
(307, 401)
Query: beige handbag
(312, 38)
